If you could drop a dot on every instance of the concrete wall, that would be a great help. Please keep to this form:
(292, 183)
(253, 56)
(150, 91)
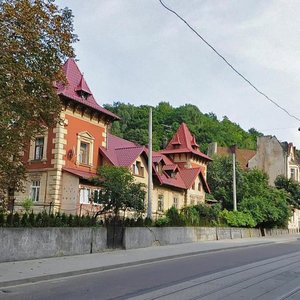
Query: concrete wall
(31, 243)
(141, 237)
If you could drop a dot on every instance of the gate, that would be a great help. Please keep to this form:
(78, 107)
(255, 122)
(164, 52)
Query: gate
(115, 236)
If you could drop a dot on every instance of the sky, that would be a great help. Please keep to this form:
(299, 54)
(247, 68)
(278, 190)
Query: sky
(135, 51)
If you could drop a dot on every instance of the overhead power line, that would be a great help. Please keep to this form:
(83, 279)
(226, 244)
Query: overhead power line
(228, 63)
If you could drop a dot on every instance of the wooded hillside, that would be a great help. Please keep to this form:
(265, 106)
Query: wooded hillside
(166, 119)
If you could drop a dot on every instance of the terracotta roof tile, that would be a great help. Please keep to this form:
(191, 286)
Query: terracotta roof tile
(184, 142)
(77, 82)
(242, 155)
(79, 173)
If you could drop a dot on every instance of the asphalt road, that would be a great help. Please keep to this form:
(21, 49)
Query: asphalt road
(260, 272)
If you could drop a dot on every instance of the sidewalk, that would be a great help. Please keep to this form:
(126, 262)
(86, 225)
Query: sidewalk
(20, 272)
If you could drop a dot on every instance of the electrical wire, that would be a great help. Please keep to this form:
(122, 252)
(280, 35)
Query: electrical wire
(228, 63)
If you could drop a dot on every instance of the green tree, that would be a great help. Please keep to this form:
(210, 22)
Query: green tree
(269, 209)
(219, 178)
(36, 37)
(166, 119)
(119, 192)
(291, 187)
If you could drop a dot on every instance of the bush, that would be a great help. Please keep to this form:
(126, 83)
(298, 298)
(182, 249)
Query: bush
(237, 218)
(162, 222)
(27, 204)
(2, 219)
(190, 216)
(25, 221)
(16, 220)
(31, 219)
(175, 219)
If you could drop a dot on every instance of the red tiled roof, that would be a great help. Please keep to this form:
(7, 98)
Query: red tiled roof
(121, 152)
(79, 173)
(189, 176)
(76, 82)
(185, 141)
(173, 181)
(171, 167)
(242, 155)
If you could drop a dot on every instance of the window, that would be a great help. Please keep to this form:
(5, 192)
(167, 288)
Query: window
(85, 195)
(160, 203)
(137, 169)
(294, 173)
(39, 148)
(35, 190)
(175, 202)
(193, 186)
(199, 186)
(85, 145)
(84, 153)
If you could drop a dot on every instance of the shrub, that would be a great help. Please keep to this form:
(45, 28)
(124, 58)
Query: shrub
(2, 219)
(237, 218)
(70, 221)
(16, 220)
(139, 222)
(9, 220)
(24, 220)
(27, 204)
(31, 219)
(190, 216)
(175, 219)
(161, 222)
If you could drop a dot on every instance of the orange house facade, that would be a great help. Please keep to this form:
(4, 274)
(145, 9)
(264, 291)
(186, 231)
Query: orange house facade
(60, 162)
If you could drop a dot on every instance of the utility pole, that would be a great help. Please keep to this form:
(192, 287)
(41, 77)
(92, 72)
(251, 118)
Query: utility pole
(233, 150)
(149, 208)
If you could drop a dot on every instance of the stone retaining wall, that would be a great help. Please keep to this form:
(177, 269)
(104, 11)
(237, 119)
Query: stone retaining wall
(141, 237)
(31, 243)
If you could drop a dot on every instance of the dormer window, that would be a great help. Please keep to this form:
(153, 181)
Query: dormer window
(83, 94)
(82, 89)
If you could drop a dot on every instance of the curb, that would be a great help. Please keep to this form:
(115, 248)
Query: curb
(117, 266)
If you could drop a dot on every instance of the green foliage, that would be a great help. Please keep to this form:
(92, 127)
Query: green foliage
(291, 187)
(16, 220)
(2, 219)
(219, 178)
(162, 222)
(190, 216)
(237, 218)
(166, 119)
(119, 192)
(24, 221)
(36, 38)
(175, 219)
(43, 219)
(269, 209)
(27, 204)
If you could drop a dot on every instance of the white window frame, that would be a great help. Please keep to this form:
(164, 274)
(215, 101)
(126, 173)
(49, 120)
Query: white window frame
(86, 138)
(35, 190)
(160, 203)
(39, 148)
(84, 195)
(33, 147)
(175, 202)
